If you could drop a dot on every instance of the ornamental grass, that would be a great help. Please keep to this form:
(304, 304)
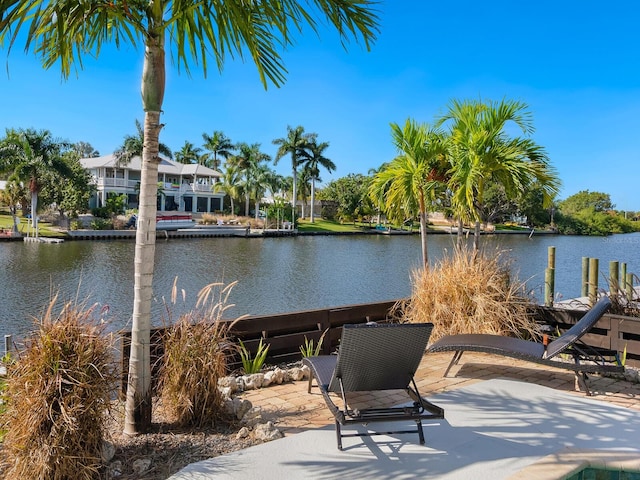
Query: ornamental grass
(58, 389)
(196, 352)
(467, 293)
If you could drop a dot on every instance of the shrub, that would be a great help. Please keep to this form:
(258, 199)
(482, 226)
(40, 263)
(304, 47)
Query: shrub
(467, 294)
(208, 219)
(59, 390)
(75, 225)
(101, 224)
(196, 350)
(101, 212)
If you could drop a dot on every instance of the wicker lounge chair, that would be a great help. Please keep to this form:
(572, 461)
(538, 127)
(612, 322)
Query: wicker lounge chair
(586, 359)
(375, 357)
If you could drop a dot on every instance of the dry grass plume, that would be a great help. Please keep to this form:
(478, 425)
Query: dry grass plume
(464, 293)
(195, 357)
(59, 390)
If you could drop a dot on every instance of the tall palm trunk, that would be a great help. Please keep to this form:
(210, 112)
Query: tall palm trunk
(423, 238)
(460, 238)
(313, 196)
(294, 200)
(423, 231)
(476, 238)
(34, 211)
(138, 401)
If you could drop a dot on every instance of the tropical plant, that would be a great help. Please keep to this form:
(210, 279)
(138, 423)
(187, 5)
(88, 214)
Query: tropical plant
(411, 183)
(219, 145)
(482, 152)
(308, 349)
(295, 144)
(60, 389)
(196, 31)
(31, 154)
(313, 159)
(13, 194)
(253, 364)
(260, 180)
(85, 150)
(71, 193)
(133, 146)
(229, 183)
(249, 161)
(351, 193)
(196, 351)
(189, 153)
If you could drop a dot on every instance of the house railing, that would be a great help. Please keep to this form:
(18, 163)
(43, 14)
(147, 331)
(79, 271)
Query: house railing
(196, 187)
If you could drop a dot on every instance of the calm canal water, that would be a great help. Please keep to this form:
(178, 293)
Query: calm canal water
(274, 275)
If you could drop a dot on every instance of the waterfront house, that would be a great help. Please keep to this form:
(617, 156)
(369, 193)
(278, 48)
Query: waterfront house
(181, 187)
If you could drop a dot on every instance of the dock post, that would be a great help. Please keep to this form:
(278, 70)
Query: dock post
(614, 278)
(629, 287)
(623, 277)
(584, 291)
(7, 344)
(593, 280)
(549, 277)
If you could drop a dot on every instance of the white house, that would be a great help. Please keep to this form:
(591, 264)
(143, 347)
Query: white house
(182, 187)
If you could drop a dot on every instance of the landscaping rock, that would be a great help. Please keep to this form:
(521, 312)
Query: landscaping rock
(141, 465)
(274, 377)
(266, 432)
(115, 469)
(244, 432)
(108, 451)
(252, 417)
(241, 407)
(229, 382)
(253, 381)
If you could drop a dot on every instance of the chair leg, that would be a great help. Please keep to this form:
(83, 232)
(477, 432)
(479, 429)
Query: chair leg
(339, 435)
(310, 380)
(420, 431)
(454, 361)
(581, 383)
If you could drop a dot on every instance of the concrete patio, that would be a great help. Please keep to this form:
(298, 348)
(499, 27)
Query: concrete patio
(503, 419)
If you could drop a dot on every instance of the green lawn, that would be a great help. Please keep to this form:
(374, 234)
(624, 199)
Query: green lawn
(320, 225)
(44, 229)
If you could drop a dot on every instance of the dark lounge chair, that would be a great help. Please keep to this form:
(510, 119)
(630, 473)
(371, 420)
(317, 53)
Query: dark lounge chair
(586, 359)
(375, 357)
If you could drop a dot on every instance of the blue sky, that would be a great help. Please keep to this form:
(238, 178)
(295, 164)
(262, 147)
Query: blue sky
(575, 63)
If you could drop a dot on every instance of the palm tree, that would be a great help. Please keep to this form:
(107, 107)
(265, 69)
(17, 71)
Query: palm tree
(85, 150)
(260, 180)
(13, 194)
(133, 146)
(313, 159)
(229, 183)
(189, 153)
(197, 31)
(413, 180)
(295, 144)
(219, 145)
(30, 154)
(247, 161)
(482, 151)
